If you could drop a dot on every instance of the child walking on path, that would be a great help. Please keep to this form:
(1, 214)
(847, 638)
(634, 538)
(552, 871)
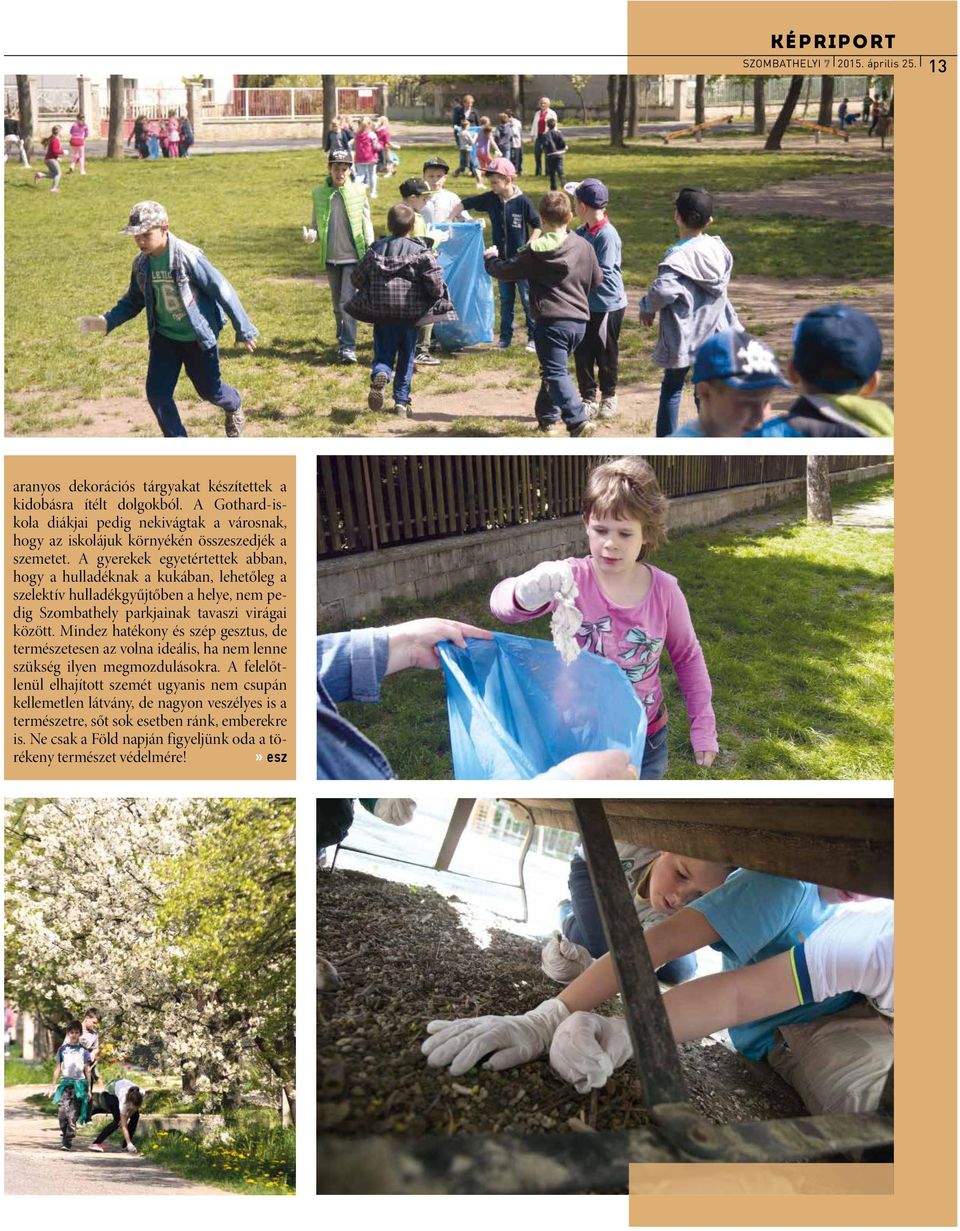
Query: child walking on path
(51, 156)
(631, 611)
(690, 293)
(597, 357)
(187, 302)
(562, 270)
(71, 1080)
(366, 149)
(78, 136)
(400, 287)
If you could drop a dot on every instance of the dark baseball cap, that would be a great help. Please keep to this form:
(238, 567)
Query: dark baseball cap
(592, 192)
(738, 359)
(415, 187)
(436, 162)
(695, 206)
(341, 156)
(837, 348)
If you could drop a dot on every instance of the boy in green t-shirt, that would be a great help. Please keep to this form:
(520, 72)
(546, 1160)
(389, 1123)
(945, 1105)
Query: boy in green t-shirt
(187, 301)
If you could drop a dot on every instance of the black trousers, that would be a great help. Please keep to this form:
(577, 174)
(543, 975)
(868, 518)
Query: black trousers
(597, 360)
(106, 1104)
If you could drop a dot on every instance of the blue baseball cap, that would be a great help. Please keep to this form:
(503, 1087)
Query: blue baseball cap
(837, 348)
(592, 192)
(737, 358)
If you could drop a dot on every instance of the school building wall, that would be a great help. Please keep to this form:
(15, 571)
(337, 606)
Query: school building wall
(356, 586)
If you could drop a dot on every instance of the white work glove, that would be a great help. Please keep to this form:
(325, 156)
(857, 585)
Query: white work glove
(562, 960)
(309, 235)
(395, 811)
(92, 324)
(131, 1148)
(512, 1040)
(542, 584)
(587, 1048)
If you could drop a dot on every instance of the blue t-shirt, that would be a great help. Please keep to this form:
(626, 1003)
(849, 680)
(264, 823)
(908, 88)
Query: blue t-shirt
(758, 916)
(693, 428)
(72, 1058)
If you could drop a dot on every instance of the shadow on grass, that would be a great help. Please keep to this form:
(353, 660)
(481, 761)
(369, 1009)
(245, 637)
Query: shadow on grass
(796, 625)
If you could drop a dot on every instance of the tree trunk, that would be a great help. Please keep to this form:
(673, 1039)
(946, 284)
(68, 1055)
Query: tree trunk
(115, 131)
(615, 137)
(633, 105)
(329, 83)
(819, 506)
(699, 110)
(290, 1090)
(759, 106)
(621, 106)
(826, 102)
(25, 107)
(516, 96)
(786, 114)
(188, 1084)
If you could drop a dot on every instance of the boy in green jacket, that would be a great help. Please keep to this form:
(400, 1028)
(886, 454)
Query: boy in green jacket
(341, 222)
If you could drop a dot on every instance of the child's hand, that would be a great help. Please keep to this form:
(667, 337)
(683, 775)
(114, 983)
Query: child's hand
(131, 1148)
(586, 1049)
(491, 251)
(538, 587)
(92, 324)
(704, 759)
(562, 960)
(309, 235)
(647, 318)
(250, 344)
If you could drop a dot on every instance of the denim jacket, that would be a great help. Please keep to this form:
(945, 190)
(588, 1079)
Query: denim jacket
(350, 667)
(206, 294)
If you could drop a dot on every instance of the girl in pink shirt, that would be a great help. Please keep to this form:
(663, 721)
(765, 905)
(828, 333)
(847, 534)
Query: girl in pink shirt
(173, 137)
(78, 136)
(630, 610)
(366, 147)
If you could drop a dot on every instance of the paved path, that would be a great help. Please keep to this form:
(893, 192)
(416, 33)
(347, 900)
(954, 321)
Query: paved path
(34, 1164)
(869, 515)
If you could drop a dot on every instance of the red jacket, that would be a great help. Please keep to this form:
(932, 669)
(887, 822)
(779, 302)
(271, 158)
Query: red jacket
(54, 148)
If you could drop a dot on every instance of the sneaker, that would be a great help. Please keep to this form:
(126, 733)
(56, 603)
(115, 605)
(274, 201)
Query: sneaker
(504, 344)
(424, 359)
(346, 356)
(590, 409)
(403, 409)
(66, 1145)
(608, 408)
(234, 422)
(37, 178)
(531, 348)
(551, 429)
(97, 1147)
(378, 382)
(582, 429)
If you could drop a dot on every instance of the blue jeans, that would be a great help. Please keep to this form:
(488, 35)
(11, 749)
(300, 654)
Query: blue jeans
(538, 155)
(167, 358)
(671, 390)
(516, 157)
(394, 347)
(555, 167)
(341, 292)
(508, 298)
(558, 397)
(367, 172)
(583, 925)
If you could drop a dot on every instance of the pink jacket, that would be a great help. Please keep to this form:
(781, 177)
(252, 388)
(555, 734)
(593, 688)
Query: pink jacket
(78, 133)
(635, 637)
(365, 147)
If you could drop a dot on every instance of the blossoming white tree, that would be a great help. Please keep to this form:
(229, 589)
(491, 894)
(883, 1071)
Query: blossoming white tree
(107, 904)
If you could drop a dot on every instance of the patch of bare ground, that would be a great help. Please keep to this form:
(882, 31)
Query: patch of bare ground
(405, 958)
(847, 198)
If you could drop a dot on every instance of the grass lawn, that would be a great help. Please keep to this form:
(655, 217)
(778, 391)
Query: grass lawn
(796, 625)
(246, 210)
(20, 1072)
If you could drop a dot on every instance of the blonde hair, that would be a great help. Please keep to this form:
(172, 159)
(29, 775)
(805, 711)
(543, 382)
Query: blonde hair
(627, 490)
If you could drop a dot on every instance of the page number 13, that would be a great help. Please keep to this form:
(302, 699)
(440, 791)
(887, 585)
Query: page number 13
(938, 66)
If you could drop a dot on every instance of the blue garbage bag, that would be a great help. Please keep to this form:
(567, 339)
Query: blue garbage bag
(153, 145)
(461, 260)
(515, 710)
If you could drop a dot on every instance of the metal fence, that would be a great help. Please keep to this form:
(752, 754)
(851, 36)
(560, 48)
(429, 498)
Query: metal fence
(292, 102)
(373, 503)
(728, 92)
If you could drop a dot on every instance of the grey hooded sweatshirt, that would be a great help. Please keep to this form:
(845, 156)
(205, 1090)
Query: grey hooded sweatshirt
(690, 293)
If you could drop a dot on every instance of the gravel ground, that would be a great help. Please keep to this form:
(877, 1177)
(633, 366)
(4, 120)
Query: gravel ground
(404, 956)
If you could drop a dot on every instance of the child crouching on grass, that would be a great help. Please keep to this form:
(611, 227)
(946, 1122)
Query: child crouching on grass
(631, 611)
(399, 287)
